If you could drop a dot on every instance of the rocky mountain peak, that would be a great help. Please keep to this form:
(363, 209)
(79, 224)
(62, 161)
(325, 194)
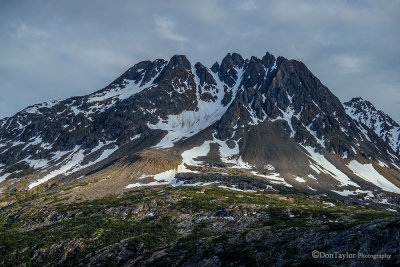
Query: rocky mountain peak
(241, 113)
(179, 61)
(215, 67)
(361, 104)
(228, 70)
(255, 73)
(177, 67)
(204, 75)
(268, 60)
(376, 120)
(233, 60)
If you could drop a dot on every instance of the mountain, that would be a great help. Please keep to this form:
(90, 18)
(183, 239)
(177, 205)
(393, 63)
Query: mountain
(269, 118)
(249, 162)
(385, 127)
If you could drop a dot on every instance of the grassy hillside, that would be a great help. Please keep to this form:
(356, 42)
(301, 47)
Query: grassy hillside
(171, 226)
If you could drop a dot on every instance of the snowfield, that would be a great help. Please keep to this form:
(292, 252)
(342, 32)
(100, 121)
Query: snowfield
(190, 122)
(369, 174)
(321, 164)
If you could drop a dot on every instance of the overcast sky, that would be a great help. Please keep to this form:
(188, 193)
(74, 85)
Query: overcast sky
(57, 49)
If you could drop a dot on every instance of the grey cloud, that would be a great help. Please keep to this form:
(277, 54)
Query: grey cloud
(166, 27)
(53, 50)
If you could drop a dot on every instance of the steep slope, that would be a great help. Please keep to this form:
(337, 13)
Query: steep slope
(270, 117)
(385, 127)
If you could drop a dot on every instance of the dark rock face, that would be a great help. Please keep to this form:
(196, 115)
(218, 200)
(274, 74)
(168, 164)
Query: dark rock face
(207, 84)
(227, 70)
(292, 97)
(376, 120)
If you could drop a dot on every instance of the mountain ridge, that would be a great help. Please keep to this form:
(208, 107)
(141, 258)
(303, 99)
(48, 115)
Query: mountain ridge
(382, 124)
(240, 113)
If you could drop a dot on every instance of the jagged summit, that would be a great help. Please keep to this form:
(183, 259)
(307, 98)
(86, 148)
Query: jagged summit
(271, 117)
(382, 124)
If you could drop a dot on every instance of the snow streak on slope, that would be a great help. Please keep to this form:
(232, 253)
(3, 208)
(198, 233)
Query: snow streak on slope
(385, 127)
(287, 116)
(191, 122)
(273, 178)
(347, 193)
(163, 178)
(323, 165)
(368, 173)
(75, 162)
(130, 88)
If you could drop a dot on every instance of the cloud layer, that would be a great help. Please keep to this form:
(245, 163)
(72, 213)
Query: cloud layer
(56, 49)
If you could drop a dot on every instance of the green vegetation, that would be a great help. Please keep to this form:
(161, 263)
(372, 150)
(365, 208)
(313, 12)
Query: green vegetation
(85, 235)
(39, 228)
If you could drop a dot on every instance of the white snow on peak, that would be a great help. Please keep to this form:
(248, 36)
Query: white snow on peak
(274, 66)
(36, 163)
(377, 121)
(369, 174)
(135, 137)
(75, 162)
(131, 88)
(253, 116)
(178, 87)
(363, 131)
(36, 141)
(287, 116)
(228, 155)
(75, 110)
(315, 134)
(321, 164)
(35, 108)
(120, 93)
(289, 97)
(190, 122)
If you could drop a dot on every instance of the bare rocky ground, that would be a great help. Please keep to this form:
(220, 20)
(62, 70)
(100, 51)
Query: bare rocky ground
(194, 226)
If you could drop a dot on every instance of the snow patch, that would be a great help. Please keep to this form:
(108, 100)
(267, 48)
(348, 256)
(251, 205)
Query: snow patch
(273, 178)
(287, 116)
(228, 155)
(191, 122)
(162, 178)
(4, 177)
(369, 174)
(323, 165)
(74, 163)
(312, 176)
(382, 164)
(233, 187)
(347, 193)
